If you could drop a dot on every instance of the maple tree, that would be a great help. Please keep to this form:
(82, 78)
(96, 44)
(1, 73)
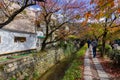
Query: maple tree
(9, 9)
(113, 34)
(107, 10)
(54, 15)
(95, 31)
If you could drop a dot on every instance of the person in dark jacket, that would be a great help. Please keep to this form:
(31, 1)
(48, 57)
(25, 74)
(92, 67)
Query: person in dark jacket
(88, 42)
(94, 46)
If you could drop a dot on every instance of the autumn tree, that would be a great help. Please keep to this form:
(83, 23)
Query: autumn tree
(9, 9)
(55, 14)
(113, 34)
(108, 11)
(95, 30)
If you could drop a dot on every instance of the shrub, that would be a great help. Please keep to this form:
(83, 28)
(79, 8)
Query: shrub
(36, 75)
(13, 78)
(114, 55)
(111, 54)
(74, 72)
(107, 47)
(99, 47)
(117, 56)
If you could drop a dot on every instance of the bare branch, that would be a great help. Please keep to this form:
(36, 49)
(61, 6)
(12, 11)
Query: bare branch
(14, 15)
(53, 41)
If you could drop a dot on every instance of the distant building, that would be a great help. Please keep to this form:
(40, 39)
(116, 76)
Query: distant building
(19, 35)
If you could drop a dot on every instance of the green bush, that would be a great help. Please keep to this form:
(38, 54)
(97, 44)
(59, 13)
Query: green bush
(111, 54)
(107, 48)
(117, 58)
(36, 75)
(99, 47)
(68, 48)
(74, 73)
(13, 78)
(114, 55)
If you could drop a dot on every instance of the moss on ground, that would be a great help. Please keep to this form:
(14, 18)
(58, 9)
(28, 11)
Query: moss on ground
(74, 72)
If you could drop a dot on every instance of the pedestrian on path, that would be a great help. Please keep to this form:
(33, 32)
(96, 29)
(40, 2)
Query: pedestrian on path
(94, 46)
(115, 46)
(88, 42)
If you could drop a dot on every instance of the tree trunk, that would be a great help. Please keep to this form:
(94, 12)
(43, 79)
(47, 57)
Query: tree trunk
(44, 43)
(103, 47)
(46, 36)
(43, 46)
(103, 42)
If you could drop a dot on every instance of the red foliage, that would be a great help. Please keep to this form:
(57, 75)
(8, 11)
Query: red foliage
(111, 68)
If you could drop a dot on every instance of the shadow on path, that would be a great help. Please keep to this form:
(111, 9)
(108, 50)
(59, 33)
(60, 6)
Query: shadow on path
(93, 65)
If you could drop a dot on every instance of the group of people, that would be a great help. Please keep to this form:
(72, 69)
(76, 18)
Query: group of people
(94, 44)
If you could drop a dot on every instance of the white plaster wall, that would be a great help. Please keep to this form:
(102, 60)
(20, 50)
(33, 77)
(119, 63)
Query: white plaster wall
(39, 41)
(40, 33)
(8, 45)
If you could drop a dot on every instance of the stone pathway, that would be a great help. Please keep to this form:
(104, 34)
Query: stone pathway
(88, 68)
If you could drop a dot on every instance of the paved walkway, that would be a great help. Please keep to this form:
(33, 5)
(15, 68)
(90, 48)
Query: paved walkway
(93, 69)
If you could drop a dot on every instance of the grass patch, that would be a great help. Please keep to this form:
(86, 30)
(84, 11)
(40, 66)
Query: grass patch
(81, 52)
(16, 56)
(19, 56)
(74, 71)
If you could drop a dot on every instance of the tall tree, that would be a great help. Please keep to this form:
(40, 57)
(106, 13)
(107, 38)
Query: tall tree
(55, 14)
(107, 10)
(95, 30)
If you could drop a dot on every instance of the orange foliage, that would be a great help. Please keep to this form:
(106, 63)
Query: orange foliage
(114, 29)
(100, 2)
(118, 10)
(1, 5)
(84, 22)
(88, 14)
(99, 15)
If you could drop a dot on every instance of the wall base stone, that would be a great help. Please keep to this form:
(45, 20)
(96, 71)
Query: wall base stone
(31, 66)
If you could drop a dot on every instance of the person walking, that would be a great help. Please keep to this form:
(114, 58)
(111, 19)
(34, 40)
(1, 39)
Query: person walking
(115, 46)
(88, 42)
(94, 46)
